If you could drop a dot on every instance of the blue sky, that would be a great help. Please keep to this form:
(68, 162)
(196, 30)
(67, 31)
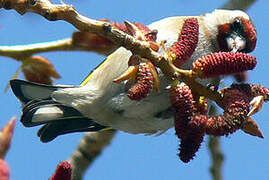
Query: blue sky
(129, 156)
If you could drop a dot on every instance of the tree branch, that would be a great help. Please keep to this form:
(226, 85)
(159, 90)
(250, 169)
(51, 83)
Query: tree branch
(143, 48)
(88, 149)
(68, 13)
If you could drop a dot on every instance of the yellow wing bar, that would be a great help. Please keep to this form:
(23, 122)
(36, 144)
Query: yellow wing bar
(99, 66)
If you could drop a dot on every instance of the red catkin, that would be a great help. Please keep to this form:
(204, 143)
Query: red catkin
(192, 127)
(144, 82)
(252, 90)
(182, 101)
(235, 104)
(236, 107)
(188, 129)
(182, 50)
(222, 63)
(191, 143)
(63, 171)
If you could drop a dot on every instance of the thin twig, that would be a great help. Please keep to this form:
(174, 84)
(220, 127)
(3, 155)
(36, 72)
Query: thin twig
(238, 4)
(215, 151)
(89, 148)
(217, 157)
(68, 13)
(20, 51)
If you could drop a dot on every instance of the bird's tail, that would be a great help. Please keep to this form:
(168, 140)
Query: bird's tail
(39, 108)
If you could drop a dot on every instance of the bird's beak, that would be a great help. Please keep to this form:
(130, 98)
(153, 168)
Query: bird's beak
(235, 43)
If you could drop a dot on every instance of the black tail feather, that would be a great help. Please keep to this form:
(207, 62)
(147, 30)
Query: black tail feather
(50, 131)
(32, 107)
(39, 108)
(27, 91)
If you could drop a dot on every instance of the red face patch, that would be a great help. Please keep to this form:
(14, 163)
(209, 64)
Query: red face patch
(223, 31)
(250, 33)
(243, 28)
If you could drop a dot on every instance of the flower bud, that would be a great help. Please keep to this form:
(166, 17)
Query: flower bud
(93, 42)
(4, 170)
(6, 134)
(251, 127)
(39, 69)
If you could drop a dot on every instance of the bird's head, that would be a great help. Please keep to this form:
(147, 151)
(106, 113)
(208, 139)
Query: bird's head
(234, 30)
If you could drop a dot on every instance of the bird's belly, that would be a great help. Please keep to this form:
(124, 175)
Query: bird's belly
(149, 115)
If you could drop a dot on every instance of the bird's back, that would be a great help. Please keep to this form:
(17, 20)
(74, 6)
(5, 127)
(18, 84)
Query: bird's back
(107, 103)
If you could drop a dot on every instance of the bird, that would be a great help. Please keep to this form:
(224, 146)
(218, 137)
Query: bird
(98, 103)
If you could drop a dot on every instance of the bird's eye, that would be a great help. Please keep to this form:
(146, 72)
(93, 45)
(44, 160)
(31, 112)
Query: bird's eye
(237, 25)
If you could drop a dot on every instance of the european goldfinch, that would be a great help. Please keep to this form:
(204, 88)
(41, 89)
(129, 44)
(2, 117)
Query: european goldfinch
(98, 103)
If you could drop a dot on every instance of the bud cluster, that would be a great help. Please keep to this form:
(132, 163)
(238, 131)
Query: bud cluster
(236, 107)
(191, 125)
(191, 119)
